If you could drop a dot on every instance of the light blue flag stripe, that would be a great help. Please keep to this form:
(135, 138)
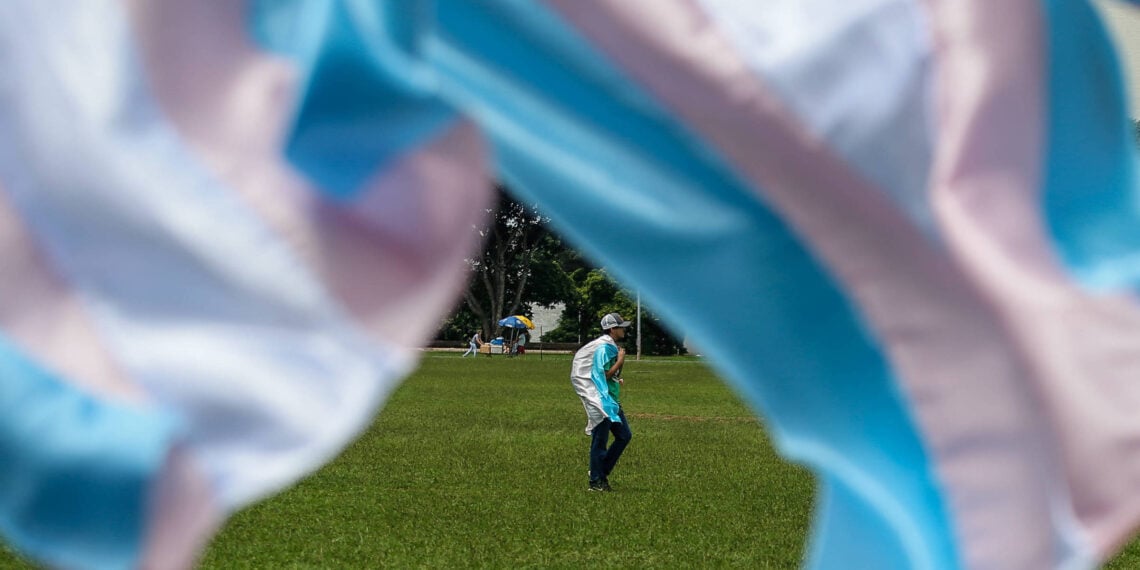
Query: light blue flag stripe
(76, 471)
(630, 185)
(1091, 199)
(348, 95)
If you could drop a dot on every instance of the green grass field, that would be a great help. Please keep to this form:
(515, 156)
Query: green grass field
(482, 463)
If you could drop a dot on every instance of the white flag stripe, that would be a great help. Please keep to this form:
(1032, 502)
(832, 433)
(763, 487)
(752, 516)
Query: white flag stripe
(856, 74)
(44, 316)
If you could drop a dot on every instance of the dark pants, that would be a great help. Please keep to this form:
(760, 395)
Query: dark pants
(603, 460)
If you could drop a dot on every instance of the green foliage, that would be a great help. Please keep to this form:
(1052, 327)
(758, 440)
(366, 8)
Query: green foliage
(12, 561)
(518, 267)
(598, 294)
(549, 282)
(524, 264)
(460, 325)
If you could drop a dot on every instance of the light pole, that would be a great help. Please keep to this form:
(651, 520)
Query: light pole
(639, 324)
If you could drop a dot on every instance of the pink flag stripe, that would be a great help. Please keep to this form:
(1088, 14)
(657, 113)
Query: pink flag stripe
(389, 255)
(984, 448)
(183, 515)
(48, 319)
(986, 187)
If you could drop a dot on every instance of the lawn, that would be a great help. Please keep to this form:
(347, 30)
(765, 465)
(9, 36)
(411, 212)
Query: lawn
(481, 462)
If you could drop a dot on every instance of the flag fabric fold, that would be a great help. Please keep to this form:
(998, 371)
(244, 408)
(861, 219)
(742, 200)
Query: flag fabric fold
(237, 214)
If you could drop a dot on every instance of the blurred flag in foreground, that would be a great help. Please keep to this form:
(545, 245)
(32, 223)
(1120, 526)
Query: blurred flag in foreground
(222, 222)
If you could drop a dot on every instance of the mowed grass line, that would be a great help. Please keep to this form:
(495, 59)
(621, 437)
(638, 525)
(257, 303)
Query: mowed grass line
(482, 463)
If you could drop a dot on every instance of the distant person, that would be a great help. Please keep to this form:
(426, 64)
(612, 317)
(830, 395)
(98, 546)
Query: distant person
(520, 346)
(473, 345)
(596, 376)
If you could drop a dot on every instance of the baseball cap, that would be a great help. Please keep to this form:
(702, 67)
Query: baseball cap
(613, 320)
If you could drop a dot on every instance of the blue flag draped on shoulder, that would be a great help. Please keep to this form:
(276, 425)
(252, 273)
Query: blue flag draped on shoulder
(219, 219)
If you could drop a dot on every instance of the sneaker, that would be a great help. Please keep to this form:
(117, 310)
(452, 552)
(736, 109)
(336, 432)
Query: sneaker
(596, 486)
(606, 485)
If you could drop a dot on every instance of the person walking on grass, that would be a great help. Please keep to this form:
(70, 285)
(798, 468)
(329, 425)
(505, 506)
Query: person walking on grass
(473, 345)
(596, 376)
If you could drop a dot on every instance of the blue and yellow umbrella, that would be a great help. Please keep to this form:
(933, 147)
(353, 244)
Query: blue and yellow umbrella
(516, 322)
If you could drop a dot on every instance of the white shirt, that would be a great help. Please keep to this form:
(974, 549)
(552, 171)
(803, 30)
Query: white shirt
(584, 385)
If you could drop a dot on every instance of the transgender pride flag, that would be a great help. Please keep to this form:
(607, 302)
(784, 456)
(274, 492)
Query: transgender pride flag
(221, 224)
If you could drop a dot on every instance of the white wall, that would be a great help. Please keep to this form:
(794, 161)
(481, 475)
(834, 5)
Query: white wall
(1124, 24)
(545, 319)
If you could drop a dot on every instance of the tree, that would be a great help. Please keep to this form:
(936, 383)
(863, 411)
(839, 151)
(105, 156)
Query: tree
(516, 268)
(598, 294)
(523, 264)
